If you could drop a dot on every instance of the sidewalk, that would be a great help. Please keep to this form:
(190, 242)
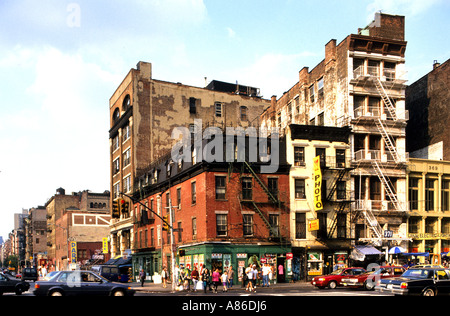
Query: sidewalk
(150, 287)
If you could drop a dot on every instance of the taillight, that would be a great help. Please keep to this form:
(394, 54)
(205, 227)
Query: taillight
(404, 285)
(36, 285)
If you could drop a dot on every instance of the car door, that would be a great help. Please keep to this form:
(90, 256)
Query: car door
(6, 285)
(93, 285)
(442, 279)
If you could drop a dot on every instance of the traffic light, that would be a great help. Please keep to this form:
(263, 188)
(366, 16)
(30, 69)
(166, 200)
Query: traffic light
(115, 209)
(165, 223)
(124, 206)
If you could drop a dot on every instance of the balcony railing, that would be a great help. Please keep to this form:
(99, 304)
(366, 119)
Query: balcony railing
(381, 206)
(377, 155)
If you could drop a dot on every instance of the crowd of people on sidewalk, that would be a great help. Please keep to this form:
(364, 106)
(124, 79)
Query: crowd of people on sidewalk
(213, 279)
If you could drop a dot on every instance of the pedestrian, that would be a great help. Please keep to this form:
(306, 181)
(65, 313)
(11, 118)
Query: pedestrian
(224, 278)
(142, 277)
(230, 276)
(255, 277)
(164, 277)
(194, 278)
(265, 275)
(216, 279)
(187, 278)
(249, 277)
(205, 279)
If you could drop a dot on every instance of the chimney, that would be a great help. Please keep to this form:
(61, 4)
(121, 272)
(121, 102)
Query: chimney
(436, 64)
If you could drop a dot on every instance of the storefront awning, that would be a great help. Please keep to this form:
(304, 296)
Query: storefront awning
(359, 253)
(417, 254)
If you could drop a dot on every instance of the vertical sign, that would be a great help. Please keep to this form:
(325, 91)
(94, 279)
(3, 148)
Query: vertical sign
(105, 245)
(73, 252)
(317, 185)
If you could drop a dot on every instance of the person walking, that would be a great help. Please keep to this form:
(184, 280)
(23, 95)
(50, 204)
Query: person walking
(224, 278)
(249, 274)
(216, 279)
(142, 277)
(255, 277)
(206, 275)
(230, 276)
(195, 277)
(265, 275)
(164, 277)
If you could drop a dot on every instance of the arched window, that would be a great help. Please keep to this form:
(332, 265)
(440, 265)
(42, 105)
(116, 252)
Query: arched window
(126, 103)
(116, 115)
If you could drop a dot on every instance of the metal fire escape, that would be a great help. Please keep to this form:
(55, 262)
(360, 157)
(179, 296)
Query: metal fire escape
(377, 164)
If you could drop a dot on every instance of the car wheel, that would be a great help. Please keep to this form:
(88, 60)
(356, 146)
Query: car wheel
(19, 290)
(332, 285)
(429, 292)
(56, 293)
(369, 286)
(118, 293)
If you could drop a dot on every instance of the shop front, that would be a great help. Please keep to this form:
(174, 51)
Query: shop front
(222, 256)
(324, 262)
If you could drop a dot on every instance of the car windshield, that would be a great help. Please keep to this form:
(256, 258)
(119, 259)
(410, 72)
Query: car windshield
(417, 274)
(337, 272)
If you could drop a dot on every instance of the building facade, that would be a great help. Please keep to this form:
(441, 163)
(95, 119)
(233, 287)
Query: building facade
(429, 202)
(361, 84)
(36, 237)
(428, 100)
(321, 236)
(144, 112)
(224, 213)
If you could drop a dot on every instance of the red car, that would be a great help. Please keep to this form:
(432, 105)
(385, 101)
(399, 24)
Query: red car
(369, 280)
(334, 279)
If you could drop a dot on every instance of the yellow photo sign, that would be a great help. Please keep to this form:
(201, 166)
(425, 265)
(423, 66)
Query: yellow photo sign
(317, 185)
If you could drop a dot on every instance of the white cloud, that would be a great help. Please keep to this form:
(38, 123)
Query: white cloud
(231, 32)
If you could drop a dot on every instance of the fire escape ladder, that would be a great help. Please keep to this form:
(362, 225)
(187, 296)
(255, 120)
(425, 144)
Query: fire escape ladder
(387, 140)
(336, 180)
(341, 210)
(261, 214)
(261, 183)
(373, 223)
(387, 184)
(387, 101)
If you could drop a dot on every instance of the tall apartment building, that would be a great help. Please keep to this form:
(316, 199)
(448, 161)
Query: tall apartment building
(143, 113)
(361, 84)
(427, 100)
(36, 236)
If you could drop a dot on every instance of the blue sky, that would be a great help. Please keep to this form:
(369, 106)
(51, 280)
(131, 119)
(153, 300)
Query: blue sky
(60, 62)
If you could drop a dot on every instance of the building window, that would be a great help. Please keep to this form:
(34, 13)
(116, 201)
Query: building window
(152, 237)
(429, 194)
(179, 232)
(116, 190)
(221, 188)
(221, 225)
(116, 143)
(445, 195)
(194, 228)
(193, 193)
(179, 198)
(300, 226)
(126, 133)
(248, 225)
(414, 225)
(192, 106)
(116, 166)
(321, 119)
(299, 156)
(273, 186)
(300, 189)
(127, 184)
(322, 153)
(413, 194)
(320, 88)
(311, 94)
(218, 108)
(341, 226)
(247, 190)
(341, 190)
(340, 158)
(274, 221)
(243, 113)
(126, 158)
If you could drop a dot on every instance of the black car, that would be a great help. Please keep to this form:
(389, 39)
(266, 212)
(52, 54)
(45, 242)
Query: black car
(78, 282)
(422, 281)
(9, 284)
(29, 274)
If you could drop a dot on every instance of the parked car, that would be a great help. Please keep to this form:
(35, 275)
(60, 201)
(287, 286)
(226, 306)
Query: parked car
(418, 281)
(71, 283)
(29, 274)
(334, 279)
(109, 272)
(9, 284)
(368, 280)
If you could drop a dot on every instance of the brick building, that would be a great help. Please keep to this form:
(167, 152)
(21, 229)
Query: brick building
(143, 113)
(224, 213)
(428, 101)
(361, 84)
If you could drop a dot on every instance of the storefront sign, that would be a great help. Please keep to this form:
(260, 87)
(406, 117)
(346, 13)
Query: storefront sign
(216, 256)
(289, 256)
(73, 252)
(105, 245)
(317, 185)
(241, 256)
(313, 225)
(429, 236)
